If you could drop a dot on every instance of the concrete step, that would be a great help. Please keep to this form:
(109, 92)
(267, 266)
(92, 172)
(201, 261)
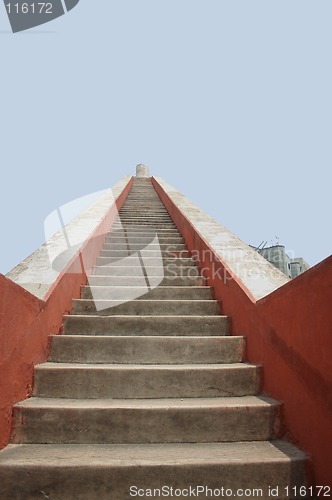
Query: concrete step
(146, 241)
(137, 214)
(159, 293)
(143, 197)
(143, 239)
(178, 247)
(145, 228)
(146, 325)
(146, 350)
(148, 261)
(123, 421)
(137, 210)
(138, 230)
(124, 270)
(145, 307)
(90, 381)
(143, 194)
(95, 280)
(133, 212)
(145, 215)
(150, 206)
(146, 224)
(143, 207)
(157, 202)
(172, 233)
(120, 472)
(118, 254)
(143, 204)
(152, 217)
(146, 220)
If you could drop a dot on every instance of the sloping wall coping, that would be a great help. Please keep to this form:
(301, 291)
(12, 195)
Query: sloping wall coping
(257, 276)
(36, 273)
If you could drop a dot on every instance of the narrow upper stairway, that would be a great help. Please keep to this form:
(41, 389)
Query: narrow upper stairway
(146, 389)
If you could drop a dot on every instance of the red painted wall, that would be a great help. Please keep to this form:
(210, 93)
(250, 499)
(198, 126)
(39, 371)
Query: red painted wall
(26, 322)
(290, 333)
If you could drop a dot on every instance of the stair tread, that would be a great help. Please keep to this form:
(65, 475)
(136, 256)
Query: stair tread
(171, 288)
(225, 338)
(155, 403)
(185, 317)
(135, 366)
(123, 455)
(142, 301)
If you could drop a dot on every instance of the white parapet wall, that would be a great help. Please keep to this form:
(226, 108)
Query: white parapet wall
(38, 272)
(250, 269)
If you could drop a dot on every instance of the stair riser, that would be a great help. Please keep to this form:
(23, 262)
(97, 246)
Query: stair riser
(146, 220)
(138, 222)
(158, 206)
(146, 350)
(140, 281)
(137, 213)
(134, 247)
(145, 325)
(136, 231)
(132, 212)
(137, 425)
(144, 200)
(145, 240)
(170, 270)
(148, 261)
(149, 205)
(146, 307)
(152, 216)
(146, 225)
(114, 482)
(120, 254)
(146, 234)
(137, 383)
(160, 293)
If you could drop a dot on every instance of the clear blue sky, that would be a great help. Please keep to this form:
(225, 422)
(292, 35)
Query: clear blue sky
(228, 100)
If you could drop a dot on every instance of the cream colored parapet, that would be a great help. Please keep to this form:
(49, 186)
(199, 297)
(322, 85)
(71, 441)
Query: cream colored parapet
(38, 272)
(244, 264)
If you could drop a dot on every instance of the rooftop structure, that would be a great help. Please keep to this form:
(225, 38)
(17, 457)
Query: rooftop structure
(276, 255)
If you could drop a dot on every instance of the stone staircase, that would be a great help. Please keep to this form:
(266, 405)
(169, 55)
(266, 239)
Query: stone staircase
(146, 389)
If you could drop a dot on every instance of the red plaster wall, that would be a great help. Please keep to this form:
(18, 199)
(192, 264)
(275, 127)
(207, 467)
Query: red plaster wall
(26, 322)
(290, 333)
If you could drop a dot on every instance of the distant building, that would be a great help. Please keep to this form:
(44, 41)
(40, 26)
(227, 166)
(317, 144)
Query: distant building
(298, 266)
(277, 256)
